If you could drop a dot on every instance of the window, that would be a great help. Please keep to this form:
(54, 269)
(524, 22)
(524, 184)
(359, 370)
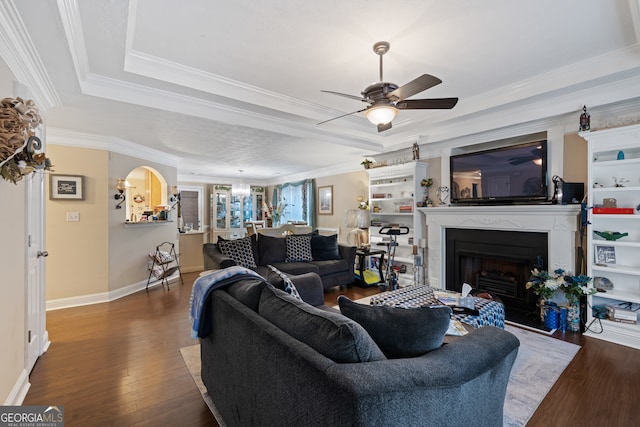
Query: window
(299, 197)
(191, 206)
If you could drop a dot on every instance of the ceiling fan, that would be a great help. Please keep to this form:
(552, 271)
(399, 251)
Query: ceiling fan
(385, 99)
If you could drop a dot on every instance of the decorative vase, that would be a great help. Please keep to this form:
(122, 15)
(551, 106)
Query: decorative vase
(551, 315)
(573, 316)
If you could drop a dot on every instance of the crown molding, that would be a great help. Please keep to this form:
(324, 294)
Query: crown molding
(72, 138)
(22, 58)
(72, 24)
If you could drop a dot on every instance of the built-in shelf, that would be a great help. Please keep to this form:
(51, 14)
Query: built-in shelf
(605, 170)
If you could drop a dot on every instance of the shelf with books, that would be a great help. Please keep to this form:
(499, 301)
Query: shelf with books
(614, 192)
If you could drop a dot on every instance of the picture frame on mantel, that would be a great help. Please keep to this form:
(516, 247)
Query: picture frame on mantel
(325, 200)
(66, 187)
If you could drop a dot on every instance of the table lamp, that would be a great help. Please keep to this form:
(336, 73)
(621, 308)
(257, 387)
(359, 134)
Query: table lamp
(358, 219)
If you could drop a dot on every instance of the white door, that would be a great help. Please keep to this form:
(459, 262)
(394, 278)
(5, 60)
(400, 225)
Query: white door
(36, 339)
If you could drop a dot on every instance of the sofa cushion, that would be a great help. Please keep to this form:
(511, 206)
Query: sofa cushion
(400, 332)
(296, 268)
(330, 334)
(329, 267)
(247, 292)
(271, 250)
(298, 248)
(240, 250)
(288, 285)
(324, 248)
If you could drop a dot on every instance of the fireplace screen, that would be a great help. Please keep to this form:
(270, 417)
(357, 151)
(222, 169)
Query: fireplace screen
(497, 262)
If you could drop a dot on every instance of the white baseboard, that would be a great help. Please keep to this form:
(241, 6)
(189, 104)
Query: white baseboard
(19, 391)
(60, 303)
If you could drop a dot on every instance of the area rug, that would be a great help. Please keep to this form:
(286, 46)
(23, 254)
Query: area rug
(540, 362)
(191, 357)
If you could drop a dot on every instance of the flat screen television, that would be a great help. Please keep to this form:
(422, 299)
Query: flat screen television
(513, 174)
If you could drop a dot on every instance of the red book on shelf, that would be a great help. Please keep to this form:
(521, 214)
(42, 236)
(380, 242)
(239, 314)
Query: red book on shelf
(626, 211)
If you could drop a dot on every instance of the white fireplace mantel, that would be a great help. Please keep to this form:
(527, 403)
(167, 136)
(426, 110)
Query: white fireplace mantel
(560, 222)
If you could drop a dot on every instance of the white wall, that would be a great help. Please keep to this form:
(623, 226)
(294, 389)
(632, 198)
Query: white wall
(12, 271)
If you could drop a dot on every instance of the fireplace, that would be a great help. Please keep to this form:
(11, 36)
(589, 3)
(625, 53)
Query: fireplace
(557, 223)
(497, 262)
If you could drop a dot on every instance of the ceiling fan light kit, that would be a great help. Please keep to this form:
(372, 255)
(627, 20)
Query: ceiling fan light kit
(385, 99)
(381, 114)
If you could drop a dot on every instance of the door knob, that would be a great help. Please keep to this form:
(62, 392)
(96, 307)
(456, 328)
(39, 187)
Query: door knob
(43, 254)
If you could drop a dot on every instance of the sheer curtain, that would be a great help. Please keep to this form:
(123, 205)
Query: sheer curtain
(300, 200)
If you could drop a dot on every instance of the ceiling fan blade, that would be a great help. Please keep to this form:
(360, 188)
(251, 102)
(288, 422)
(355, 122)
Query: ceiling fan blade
(344, 115)
(382, 128)
(427, 104)
(415, 86)
(346, 95)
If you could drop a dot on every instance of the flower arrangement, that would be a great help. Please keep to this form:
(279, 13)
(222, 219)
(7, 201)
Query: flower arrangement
(275, 212)
(18, 142)
(426, 183)
(577, 286)
(544, 284)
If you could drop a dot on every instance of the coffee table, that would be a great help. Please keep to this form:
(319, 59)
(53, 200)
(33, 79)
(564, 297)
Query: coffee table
(490, 313)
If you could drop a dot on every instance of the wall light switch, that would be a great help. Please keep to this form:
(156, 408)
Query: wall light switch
(73, 216)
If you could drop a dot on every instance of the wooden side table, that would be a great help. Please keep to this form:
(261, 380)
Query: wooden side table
(361, 256)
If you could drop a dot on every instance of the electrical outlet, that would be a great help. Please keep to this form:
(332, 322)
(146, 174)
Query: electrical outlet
(73, 216)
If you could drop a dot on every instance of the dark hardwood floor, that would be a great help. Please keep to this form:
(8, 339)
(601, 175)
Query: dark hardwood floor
(119, 364)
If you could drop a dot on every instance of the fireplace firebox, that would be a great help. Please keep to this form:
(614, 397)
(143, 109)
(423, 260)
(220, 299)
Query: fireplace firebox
(498, 262)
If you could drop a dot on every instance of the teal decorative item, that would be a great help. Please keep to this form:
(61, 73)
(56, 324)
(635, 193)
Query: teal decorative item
(610, 235)
(620, 155)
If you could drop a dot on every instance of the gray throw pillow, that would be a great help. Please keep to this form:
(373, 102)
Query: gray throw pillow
(271, 250)
(400, 332)
(324, 248)
(330, 334)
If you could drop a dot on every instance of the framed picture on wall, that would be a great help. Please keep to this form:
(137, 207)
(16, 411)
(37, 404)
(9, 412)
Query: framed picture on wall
(325, 200)
(66, 187)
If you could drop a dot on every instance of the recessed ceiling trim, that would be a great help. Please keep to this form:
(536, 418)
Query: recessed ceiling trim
(154, 67)
(132, 93)
(72, 24)
(552, 84)
(22, 58)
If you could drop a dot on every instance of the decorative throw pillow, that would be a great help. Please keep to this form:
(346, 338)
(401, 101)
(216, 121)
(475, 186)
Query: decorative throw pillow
(400, 332)
(299, 248)
(289, 287)
(324, 248)
(271, 249)
(239, 250)
(330, 334)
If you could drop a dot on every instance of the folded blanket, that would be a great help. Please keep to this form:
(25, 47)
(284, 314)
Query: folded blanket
(203, 286)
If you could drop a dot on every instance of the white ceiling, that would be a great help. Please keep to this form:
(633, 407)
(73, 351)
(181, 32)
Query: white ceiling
(230, 85)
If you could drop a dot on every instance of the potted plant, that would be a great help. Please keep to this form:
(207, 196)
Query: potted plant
(366, 163)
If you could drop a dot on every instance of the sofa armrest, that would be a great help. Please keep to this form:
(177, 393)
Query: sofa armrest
(214, 259)
(348, 253)
(309, 286)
